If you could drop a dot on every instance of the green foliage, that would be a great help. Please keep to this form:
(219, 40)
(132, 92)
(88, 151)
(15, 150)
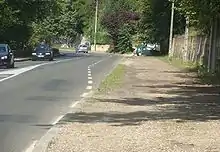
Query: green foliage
(119, 22)
(201, 13)
(113, 80)
(25, 23)
(125, 39)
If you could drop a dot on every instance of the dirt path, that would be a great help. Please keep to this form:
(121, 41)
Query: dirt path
(157, 109)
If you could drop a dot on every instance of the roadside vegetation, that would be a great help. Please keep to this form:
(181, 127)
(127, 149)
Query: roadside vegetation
(113, 80)
(203, 76)
(25, 23)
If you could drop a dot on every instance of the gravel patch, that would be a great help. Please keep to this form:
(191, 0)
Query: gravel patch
(153, 111)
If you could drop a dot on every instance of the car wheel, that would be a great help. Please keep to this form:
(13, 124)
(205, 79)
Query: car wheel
(51, 59)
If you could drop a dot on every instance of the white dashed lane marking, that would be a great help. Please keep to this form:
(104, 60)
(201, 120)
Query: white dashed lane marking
(89, 87)
(90, 82)
(36, 145)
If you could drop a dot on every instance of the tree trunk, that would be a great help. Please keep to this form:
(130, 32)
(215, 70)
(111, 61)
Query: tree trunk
(164, 46)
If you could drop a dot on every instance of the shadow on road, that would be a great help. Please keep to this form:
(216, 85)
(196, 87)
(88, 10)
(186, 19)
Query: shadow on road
(67, 55)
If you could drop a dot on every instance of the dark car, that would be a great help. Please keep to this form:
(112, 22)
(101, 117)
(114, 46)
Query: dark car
(42, 52)
(6, 56)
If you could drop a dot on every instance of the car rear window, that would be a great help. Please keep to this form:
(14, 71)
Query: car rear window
(83, 46)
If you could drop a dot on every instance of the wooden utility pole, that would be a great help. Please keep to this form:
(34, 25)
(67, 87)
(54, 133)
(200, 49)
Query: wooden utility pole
(171, 29)
(96, 22)
(213, 50)
(186, 39)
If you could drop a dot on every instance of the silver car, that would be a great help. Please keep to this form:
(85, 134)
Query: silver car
(83, 48)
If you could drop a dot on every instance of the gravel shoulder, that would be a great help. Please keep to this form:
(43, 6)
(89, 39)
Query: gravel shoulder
(154, 107)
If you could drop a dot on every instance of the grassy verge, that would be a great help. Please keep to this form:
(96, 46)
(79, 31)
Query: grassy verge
(112, 81)
(186, 66)
(204, 77)
(67, 49)
(58, 46)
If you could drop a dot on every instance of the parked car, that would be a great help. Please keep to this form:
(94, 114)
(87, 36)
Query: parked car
(42, 52)
(88, 45)
(148, 49)
(143, 50)
(83, 48)
(6, 56)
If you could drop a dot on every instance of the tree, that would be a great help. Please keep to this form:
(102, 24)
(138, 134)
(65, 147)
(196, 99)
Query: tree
(32, 21)
(201, 13)
(117, 16)
(154, 24)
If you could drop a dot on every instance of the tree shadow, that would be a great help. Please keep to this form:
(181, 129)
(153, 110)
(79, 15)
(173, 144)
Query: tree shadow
(44, 126)
(196, 104)
(179, 102)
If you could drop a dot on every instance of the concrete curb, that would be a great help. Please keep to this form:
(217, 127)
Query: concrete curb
(45, 140)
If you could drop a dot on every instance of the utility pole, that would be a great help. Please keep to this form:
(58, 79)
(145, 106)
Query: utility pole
(186, 39)
(171, 29)
(214, 44)
(96, 22)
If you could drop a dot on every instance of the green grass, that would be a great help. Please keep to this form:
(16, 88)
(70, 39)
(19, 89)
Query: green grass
(67, 49)
(186, 66)
(58, 46)
(113, 80)
(204, 77)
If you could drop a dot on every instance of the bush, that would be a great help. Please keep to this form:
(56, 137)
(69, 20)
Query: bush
(125, 39)
(23, 52)
(55, 51)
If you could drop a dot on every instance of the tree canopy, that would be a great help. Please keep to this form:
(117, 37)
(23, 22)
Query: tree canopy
(120, 22)
(29, 21)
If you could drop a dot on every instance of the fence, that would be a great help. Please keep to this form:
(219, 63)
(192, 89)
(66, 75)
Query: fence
(202, 49)
(197, 50)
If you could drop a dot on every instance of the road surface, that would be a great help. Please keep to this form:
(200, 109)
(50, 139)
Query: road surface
(39, 92)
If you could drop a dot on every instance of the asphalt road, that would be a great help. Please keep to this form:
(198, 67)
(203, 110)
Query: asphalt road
(31, 101)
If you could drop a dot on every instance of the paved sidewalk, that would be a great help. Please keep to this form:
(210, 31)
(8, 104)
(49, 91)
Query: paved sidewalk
(157, 109)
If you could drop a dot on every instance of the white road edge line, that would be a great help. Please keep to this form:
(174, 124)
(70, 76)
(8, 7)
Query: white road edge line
(89, 72)
(57, 119)
(89, 87)
(31, 147)
(60, 117)
(84, 94)
(42, 144)
(74, 104)
(90, 78)
(17, 72)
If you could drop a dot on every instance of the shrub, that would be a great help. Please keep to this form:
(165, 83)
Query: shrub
(55, 51)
